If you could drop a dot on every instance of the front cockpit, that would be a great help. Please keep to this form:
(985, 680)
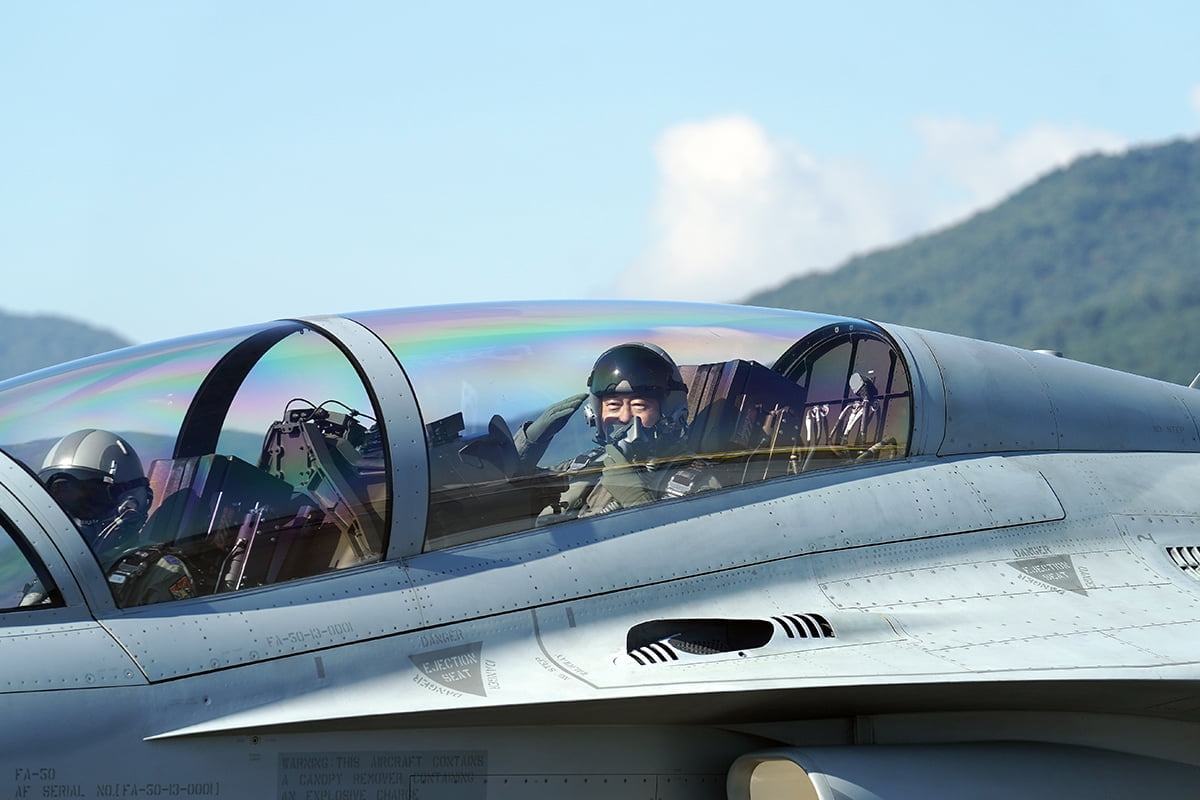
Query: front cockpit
(305, 447)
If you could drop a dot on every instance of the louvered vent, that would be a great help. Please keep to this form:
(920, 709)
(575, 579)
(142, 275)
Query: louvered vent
(805, 626)
(662, 641)
(1187, 559)
(656, 653)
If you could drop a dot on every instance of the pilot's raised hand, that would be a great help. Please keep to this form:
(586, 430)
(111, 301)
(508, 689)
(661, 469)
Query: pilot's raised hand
(534, 437)
(631, 440)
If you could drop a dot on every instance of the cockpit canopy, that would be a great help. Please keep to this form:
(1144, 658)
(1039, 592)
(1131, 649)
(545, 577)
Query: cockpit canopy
(296, 448)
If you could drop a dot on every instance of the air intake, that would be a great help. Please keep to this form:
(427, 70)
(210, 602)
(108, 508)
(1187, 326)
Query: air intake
(663, 641)
(805, 626)
(1187, 559)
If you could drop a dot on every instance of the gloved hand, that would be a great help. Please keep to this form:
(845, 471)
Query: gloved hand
(631, 441)
(533, 438)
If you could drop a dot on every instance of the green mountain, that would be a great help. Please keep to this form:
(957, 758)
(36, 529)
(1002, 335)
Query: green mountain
(1100, 260)
(32, 342)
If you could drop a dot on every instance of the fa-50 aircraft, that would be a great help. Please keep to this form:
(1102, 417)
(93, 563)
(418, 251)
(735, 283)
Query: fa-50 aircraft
(753, 553)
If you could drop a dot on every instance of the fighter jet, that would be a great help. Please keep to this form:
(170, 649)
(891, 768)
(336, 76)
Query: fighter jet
(597, 550)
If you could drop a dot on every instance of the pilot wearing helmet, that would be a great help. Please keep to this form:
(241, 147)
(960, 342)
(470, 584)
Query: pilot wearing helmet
(97, 478)
(637, 402)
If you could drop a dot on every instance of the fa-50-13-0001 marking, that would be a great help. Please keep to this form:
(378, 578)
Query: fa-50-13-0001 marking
(878, 562)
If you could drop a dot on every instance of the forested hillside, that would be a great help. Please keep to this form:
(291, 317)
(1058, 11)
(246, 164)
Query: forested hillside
(32, 342)
(1100, 260)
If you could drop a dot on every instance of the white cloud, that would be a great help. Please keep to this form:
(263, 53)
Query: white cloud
(972, 166)
(738, 211)
(1195, 98)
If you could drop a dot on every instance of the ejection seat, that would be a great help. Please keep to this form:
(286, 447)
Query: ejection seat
(745, 419)
(341, 489)
(205, 510)
(313, 504)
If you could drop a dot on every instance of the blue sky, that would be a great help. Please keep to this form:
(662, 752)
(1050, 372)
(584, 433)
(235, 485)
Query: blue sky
(175, 167)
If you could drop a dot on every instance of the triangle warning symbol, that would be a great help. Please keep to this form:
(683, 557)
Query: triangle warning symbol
(458, 668)
(1058, 571)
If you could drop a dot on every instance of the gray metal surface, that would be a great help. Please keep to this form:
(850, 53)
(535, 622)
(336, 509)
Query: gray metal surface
(1011, 608)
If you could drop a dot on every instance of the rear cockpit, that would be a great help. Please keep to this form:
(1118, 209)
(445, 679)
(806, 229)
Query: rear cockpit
(302, 448)
(259, 448)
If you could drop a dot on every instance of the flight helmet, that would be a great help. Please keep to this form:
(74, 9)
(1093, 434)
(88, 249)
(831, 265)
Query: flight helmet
(643, 369)
(91, 472)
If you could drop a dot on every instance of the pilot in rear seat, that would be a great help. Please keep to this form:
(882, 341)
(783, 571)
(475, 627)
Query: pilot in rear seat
(97, 478)
(637, 402)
